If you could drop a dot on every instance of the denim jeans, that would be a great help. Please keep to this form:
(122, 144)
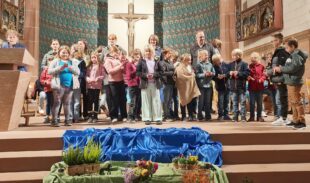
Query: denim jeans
(135, 102)
(49, 103)
(276, 106)
(64, 96)
(239, 97)
(42, 96)
(75, 104)
(223, 102)
(256, 97)
(168, 91)
(204, 103)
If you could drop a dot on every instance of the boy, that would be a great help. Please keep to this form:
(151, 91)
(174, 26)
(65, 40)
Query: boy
(221, 85)
(293, 71)
(256, 87)
(238, 74)
(204, 75)
(51, 54)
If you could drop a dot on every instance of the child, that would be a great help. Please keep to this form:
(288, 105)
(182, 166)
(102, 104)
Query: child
(13, 42)
(256, 86)
(45, 80)
(238, 74)
(175, 99)
(62, 83)
(187, 86)
(293, 72)
(204, 75)
(221, 85)
(133, 86)
(51, 54)
(94, 78)
(38, 90)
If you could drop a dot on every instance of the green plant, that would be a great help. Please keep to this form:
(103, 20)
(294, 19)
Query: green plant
(92, 152)
(182, 160)
(73, 156)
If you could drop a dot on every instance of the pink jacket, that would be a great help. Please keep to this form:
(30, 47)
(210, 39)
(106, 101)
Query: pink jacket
(114, 69)
(94, 80)
(131, 77)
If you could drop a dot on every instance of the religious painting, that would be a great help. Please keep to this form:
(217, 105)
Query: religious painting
(262, 18)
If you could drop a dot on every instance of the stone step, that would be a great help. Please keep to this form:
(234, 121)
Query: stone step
(268, 173)
(23, 177)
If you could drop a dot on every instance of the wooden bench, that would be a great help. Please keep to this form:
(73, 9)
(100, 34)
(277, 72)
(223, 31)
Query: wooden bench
(26, 113)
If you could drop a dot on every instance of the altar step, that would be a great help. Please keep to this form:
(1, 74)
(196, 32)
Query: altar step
(23, 177)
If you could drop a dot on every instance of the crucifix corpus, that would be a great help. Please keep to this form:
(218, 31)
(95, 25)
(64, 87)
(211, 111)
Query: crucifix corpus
(131, 18)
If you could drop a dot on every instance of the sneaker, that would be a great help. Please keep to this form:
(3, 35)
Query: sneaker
(159, 122)
(55, 124)
(124, 120)
(131, 121)
(41, 111)
(114, 120)
(278, 122)
(184, 119)
(147, 122)
(169, 120)
(68, 123)
(227, 118)
(90, 120)
(299, 126)
(251, 119)
(46, 120)
(220, 118)
(291, 124)
(286, 121)
(243, 119)
(264, 114)
(95, 120)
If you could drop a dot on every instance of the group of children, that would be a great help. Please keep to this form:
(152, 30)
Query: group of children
(151, 85)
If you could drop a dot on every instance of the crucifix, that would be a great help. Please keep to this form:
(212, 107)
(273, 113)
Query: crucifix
(131, 18)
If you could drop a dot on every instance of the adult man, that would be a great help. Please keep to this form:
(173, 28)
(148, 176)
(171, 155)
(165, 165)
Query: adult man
(278, 59)
(200, 44)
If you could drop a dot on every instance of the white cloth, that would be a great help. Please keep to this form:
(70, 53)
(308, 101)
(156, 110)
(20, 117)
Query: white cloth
(151, 104)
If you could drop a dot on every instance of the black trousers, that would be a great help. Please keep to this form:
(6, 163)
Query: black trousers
(205, 103)
(135, 102)
(93, 99)
(284, 99)
(85, 101)
(191, 107)
(118, 96)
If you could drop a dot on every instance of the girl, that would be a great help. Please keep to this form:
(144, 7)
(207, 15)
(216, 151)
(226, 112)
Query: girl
(115, 69)
(51, 54)
(62, 83)
(133, 86)
(94, 78)
(149, 71)
(187, 86)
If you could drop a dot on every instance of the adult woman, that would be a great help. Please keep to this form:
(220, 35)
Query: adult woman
(149, 71)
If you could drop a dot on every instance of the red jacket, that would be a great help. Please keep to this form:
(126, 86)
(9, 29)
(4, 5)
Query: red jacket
(131, 77)
(45, 80)
(257, 72)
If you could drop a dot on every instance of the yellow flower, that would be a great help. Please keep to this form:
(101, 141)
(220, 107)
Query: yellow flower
(144, 172)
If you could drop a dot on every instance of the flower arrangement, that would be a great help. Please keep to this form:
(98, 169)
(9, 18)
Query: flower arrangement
(185, 163)
(142, 171)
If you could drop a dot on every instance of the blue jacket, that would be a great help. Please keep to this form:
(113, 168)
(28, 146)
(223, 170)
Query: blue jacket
(221, 84)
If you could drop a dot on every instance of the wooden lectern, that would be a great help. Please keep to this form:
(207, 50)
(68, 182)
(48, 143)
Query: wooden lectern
(13, 85)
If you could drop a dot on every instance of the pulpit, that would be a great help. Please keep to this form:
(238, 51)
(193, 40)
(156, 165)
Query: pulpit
(14, 85)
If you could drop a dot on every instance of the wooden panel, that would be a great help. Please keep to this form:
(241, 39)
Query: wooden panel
(18, 56)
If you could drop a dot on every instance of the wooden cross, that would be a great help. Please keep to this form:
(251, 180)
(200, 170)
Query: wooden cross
(131, 18)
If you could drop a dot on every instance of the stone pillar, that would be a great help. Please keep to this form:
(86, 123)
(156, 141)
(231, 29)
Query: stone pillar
(227, 27)
(31, 33)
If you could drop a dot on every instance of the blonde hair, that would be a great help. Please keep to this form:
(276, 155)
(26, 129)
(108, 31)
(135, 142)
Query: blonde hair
(150, 49)
(217, 43)
(237, 52)
(112, 36)
(185, 57)
(216, 57)
(155, 37)
(11, 31)
(201, 52)
(255, 55)
(113, 49)
(64, 47)
(135, 52)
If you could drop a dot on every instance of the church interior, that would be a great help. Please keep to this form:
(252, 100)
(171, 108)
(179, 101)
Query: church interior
(244, 151)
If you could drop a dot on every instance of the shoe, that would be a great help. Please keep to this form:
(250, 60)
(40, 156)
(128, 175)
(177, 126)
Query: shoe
(286, 121)
(264, 114)
(68, 123)
(90, 120)
(86, 118)
(299, 126)
(159, 122)
(220, 118)
(95, 120)
(55, 124)
(243, 119)
(184, 119)
(291, 124)
(260, 119)
(131, 121)
(235, 119)
(41, 111)
(46, 120)
(169, 120)
(251, 119)
(114, 120)
(147, 122)
(124, 120)
(227, 118)
(278, 122)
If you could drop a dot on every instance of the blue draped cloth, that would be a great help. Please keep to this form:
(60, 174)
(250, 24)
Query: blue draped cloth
(158, 145)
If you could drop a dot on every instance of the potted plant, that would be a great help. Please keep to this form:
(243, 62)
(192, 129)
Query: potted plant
(175, 162)
(142, 171)
(192, 162)
(73, 157)
(91, 155)
(182, 163)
